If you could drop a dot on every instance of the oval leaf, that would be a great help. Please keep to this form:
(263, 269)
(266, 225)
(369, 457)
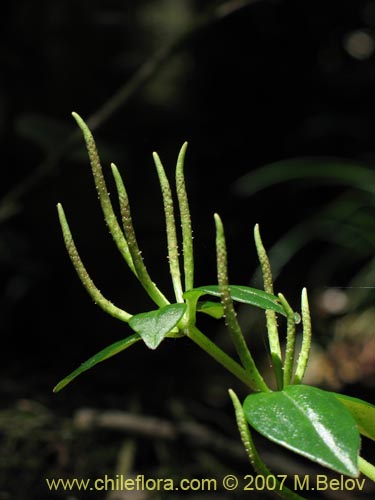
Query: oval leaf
(102, 355)
(244, 294)
(310, 422)
(362, 412)
(153, 326)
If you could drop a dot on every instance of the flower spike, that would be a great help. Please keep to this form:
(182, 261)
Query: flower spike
(101, 187)
(229, 312)
(290, 340)
(187, 234)
(140, 268)
(306, 339)
(273, 334)
(83, 275)
(174, 264)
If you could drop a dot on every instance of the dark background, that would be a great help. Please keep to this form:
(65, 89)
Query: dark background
(269, 81)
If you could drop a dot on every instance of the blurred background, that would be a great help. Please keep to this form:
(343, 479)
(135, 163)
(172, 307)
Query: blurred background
(276, 100)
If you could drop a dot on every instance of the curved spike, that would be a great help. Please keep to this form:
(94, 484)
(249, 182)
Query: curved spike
(101, 187)
(83, 275)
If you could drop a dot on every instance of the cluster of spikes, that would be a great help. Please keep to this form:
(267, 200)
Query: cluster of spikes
(296, 416)
(178, 318)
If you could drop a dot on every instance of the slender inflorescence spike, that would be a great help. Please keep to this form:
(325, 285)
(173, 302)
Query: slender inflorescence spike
(174, 264)
(229, 312)
(140, 268)
(259, 466)
(187, 234)
(306, 339)
(83, 275)
(246, 437)
(101, 187)
(290, 340)
(273, 334)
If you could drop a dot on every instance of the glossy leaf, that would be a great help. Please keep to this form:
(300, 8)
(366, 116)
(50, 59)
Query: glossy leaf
(362, 412)
(153, 326)
(243, 294)
(310, 422)
(102, 355)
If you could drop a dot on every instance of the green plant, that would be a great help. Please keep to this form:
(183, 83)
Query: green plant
(345, 224)
(296, 416)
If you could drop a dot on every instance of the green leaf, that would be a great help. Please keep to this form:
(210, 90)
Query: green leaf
(243, 294)
(214, 309)
(321, 170)
(362, 412)
(153, 326)
(310, 422)
(102, 355)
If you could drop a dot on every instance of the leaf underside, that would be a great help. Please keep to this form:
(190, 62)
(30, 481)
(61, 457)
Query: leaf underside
(362, 412)
(213, 309)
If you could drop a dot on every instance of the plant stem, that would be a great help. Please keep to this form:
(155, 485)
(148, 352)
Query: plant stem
(187, 234)
(220, 356)
(83, 275)
(254, 457)
(142, 273)
(273, 334)
(229, 312)
(306, 340)
(174, 265)
(290, 340)
(366, 468)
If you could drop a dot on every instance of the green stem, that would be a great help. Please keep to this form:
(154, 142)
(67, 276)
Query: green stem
(174, 264)
(306, 339)
(83, 275)
(255, 459)
(142, 273)
(220, 356)
(187, 234)
(366, 468)
(290, 340)
(229, 312)
(273, 334)
(101, 187)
